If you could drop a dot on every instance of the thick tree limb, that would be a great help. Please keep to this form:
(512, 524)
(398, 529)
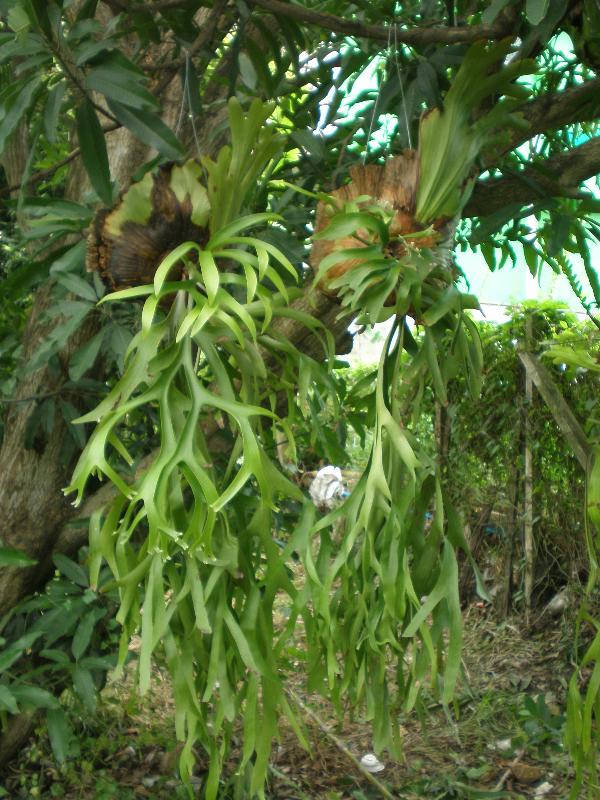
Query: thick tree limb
(559, 176)
(331, 22)
(549, 112)
(415, 36)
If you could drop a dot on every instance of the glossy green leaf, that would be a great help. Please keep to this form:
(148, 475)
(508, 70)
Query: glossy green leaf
(85, 630)
(85, 358)
(535, 10)
(15, 101)
(93, 151)
(10, 557)
(149, 128)
(52, 110)
(71, 569)
(60, 733)
(7, 700)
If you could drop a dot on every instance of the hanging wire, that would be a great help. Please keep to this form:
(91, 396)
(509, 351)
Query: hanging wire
(376, 104)
(183, 101)
(189, 65)
(399, 73)
(186, 101)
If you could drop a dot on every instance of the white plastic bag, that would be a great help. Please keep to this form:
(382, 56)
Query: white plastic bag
(327, 487)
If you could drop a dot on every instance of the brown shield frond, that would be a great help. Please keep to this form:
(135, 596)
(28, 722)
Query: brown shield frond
(392, 185)
(127, 243)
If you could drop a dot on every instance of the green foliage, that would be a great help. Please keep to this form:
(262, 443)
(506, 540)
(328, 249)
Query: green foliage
(190, 541)
(215, 356)
(64, 637)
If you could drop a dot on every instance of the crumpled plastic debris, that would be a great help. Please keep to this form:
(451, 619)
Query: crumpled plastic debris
(503, 745)
(559, 603)
(371, 763)
(327, 487)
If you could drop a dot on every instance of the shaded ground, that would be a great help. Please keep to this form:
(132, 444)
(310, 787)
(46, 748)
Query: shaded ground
(503, 739)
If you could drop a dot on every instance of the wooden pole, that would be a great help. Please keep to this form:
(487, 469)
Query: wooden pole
(528, 487)
(564, 417)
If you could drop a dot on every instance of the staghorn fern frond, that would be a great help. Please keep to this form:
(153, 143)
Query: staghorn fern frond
(451, 138)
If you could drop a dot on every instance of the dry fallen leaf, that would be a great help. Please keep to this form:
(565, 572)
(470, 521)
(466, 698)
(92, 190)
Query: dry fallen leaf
(526, 773)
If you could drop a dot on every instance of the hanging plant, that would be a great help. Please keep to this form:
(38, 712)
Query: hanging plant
(190, 540)
(386, 605)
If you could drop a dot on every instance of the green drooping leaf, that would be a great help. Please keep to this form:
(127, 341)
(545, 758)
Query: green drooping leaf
(149, 128)
(60, 733)
(71, 260)
(52, 110)
(71, 569)
(85, 357)
(32, 698)
(18, 19)
(7, 700)
(73, 283)
(119, 79)
(15, 102)
(85, 687)
(10, 557)
(247, 71)
(535, 10)
(492, 11)
(93, 151)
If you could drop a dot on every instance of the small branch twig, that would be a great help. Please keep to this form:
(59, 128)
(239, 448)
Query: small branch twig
(507, 772)
(384, 791)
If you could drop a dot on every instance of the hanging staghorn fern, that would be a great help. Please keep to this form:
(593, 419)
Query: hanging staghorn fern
(190, 540)
(386, 611)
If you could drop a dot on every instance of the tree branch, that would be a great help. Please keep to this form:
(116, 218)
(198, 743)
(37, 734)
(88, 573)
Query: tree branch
(416, 36)
(559, 176)
(548, 112)
(204, 38)
(331, 22)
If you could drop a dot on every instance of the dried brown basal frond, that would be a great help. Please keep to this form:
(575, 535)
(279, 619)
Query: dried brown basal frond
(127, 243)
(393, 186)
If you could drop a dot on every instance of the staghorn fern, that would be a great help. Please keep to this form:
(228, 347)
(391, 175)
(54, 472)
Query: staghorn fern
(190, 541)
